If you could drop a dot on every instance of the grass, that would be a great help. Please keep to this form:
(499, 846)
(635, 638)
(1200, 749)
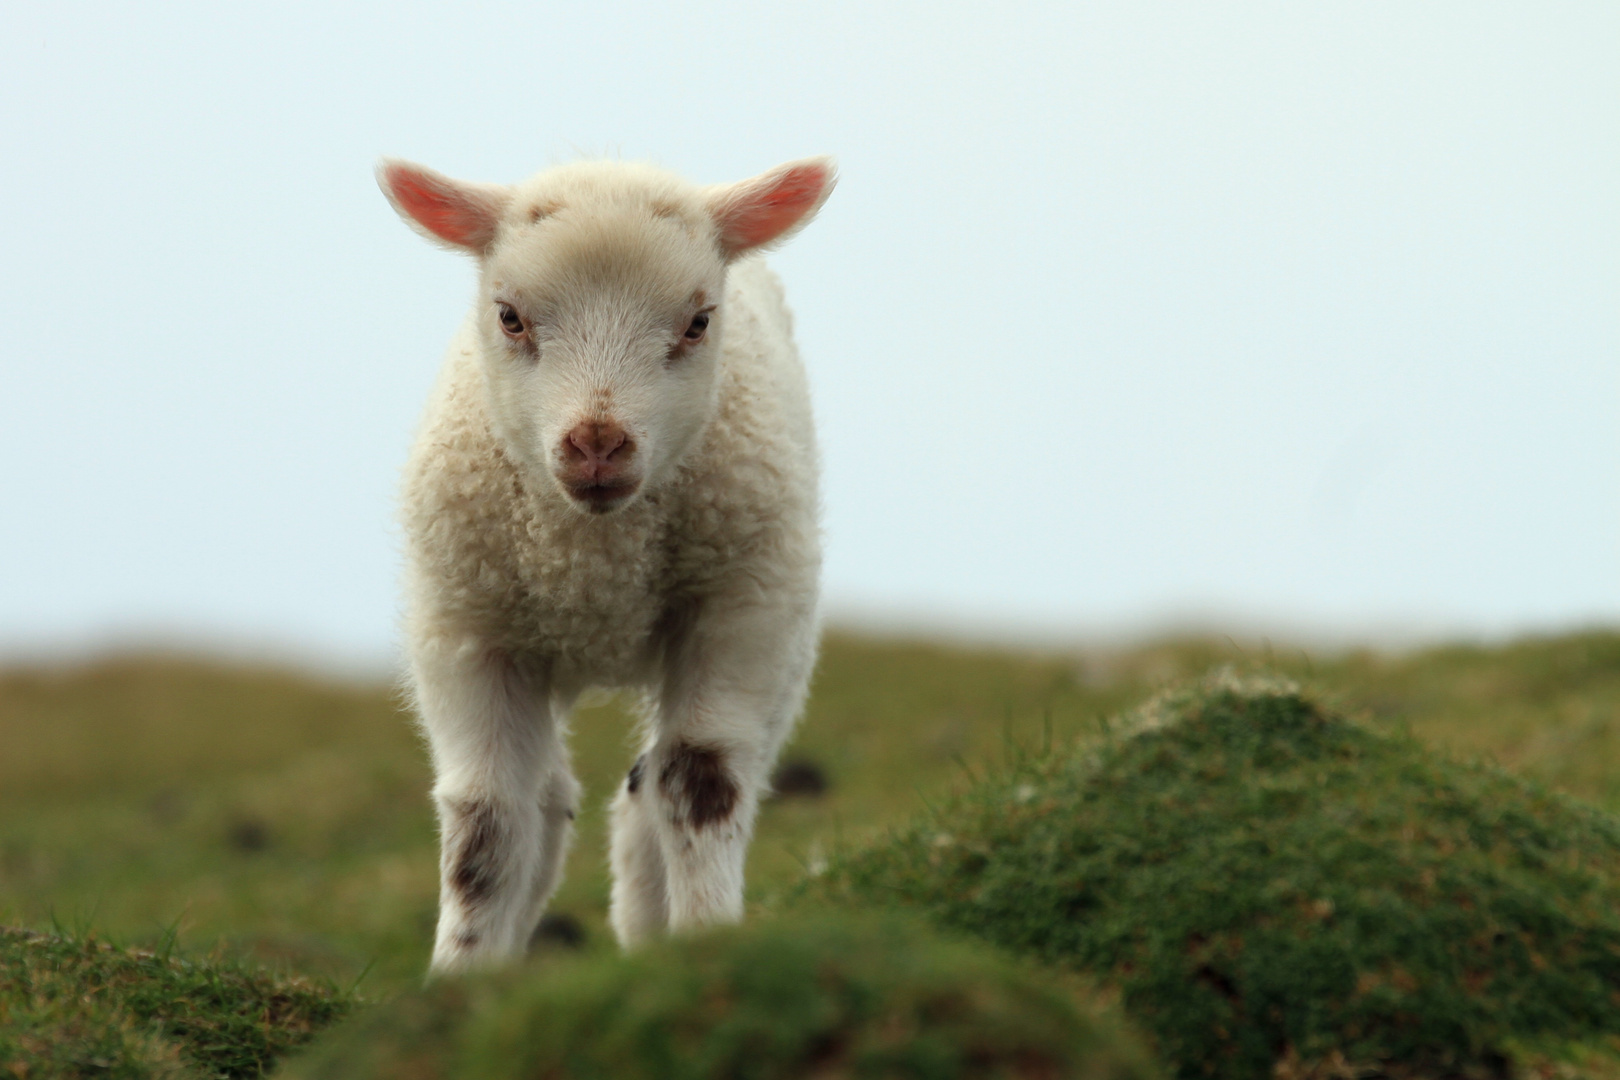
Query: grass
(80, 1007)
(826, 998)
(287, 819)
(282, 821)
(1276, 890)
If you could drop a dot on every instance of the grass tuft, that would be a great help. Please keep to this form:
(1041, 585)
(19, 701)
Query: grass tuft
(1277, 891)
(78, 1007)
(824, 997)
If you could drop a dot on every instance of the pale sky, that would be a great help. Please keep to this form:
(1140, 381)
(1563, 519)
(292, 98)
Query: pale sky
(1288, 316)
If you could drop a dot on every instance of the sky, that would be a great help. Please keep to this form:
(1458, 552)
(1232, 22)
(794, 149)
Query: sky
(1296, 318)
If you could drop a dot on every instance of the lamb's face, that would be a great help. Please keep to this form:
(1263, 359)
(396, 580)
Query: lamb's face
(599, 313)
(600, 331)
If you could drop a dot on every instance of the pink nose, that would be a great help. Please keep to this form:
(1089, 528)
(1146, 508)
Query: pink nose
(596, 442)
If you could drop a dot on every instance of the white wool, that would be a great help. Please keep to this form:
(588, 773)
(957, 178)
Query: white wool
(516, 565)
(699, 590)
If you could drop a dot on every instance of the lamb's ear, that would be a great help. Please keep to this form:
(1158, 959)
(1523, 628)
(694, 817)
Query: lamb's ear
(771, 206)
(456, 213)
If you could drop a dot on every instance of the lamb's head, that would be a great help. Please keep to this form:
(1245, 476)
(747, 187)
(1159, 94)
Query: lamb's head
(599, 312)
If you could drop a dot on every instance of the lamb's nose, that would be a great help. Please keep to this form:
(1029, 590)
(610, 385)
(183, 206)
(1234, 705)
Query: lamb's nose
(596, 441)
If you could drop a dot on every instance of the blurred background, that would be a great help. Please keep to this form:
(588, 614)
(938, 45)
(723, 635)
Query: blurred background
(1125, 317)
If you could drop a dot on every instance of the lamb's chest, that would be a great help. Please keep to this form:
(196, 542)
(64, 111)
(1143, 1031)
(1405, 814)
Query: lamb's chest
(591, 589)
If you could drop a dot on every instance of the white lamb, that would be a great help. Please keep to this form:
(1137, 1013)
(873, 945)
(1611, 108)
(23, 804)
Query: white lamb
(615, 485)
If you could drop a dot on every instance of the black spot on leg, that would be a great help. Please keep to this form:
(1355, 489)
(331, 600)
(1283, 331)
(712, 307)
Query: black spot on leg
(632, 783)
(475, 837)
(695, 779)
(466, 939)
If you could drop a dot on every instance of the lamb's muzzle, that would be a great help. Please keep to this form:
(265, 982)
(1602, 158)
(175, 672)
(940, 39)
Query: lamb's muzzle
(598, 464)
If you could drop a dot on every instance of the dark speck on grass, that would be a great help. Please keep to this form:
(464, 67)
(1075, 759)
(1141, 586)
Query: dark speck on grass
(249, 835)
(558, 928)
(799, 777)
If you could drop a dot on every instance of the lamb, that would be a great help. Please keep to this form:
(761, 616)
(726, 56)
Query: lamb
(615, 485)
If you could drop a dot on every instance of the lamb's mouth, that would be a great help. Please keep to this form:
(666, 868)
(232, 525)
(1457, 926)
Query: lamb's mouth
(602, 498)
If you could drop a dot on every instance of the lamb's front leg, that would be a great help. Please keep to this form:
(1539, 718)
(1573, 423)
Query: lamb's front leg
(497, 762)
(708, 791)
(733, 684)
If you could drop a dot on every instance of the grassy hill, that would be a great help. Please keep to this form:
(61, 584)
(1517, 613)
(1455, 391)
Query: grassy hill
(1275, 889)
(283, 821)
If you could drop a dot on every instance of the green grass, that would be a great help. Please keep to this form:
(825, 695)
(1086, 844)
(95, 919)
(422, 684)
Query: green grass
(825, 998)
(124, 782)
(283, 821)
(79, 1007)
(1273, 887)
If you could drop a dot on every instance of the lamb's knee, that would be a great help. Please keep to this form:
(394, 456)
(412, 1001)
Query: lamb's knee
(698, 785)
(472, 852)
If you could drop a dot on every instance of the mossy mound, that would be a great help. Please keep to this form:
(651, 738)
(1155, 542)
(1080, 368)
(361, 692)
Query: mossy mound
(1277, 891)
(82, 1008)
(819, 998)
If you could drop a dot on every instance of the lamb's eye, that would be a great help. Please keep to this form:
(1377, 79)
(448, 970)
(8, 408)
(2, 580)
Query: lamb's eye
(511, 322)
(700, 324)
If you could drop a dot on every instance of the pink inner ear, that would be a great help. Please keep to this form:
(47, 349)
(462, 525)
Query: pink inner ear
(443, 209)
(758, 215)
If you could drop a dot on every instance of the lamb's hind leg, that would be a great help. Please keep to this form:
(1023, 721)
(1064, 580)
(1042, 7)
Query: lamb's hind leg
(494, 745)
(559, 800)
(640, 904)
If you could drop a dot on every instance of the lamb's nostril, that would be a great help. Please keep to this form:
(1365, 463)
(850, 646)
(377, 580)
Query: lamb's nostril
(598, 441)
